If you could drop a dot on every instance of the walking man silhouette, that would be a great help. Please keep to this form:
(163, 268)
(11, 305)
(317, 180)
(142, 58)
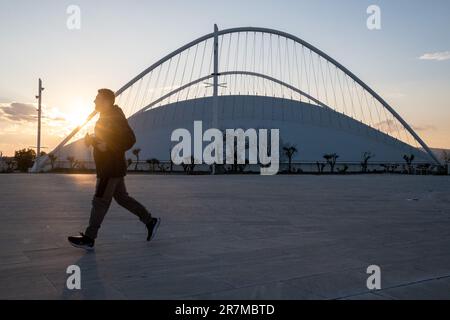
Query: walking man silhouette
(112, 138)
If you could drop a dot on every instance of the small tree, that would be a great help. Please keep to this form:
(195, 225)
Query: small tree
(162, 167)
(389, 167)
(192, 165)
(445, 156)
(10, 164)
(289, 151)
(409, 159)
(72, 162)
(171, 162)
(343, 169)
(152, 163)
(365, 160)
(423, 168)
(80, 165)
(320, 166)
(24, 159)
(241, 167)
(235, 166)
(136, 153)
(129, 162)
(52, 158)
(331, 160)
(188, 168)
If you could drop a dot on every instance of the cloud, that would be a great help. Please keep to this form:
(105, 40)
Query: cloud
(424, 128)
(391, 126)
(26, 112)
(437, 56)
(18, 123)
(387, 126)
(17, 111)
(50, 119)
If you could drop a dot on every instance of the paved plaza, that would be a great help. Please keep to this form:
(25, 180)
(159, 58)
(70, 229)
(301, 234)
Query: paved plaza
(230, 237)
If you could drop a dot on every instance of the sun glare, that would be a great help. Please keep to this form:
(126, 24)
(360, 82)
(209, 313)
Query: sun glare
(79, 111)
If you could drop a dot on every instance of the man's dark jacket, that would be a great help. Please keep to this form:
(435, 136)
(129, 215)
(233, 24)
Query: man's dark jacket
(112, 128)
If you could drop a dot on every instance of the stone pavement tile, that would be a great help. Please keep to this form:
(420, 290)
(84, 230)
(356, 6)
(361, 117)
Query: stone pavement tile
(269, 291)
(259, 272)
(168, 286)
(305, 238)
(437, 289)
(434, 266)
(402, 273)
(385, 255)
(12, 259)
(57, 260)
(96, 267)
(29, 287)
(427, 247)
(252, 256)
(333, 285)
(90, 290)
(368, 296)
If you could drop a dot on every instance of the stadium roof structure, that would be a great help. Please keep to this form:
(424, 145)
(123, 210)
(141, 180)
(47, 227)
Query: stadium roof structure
(254, 61)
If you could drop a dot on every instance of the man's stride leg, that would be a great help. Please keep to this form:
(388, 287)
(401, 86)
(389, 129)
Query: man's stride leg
(104, 192)
(123, 199)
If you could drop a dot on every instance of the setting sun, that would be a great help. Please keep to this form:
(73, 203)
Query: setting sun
(79, 111)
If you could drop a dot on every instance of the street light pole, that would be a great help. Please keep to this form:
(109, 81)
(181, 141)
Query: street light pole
(39, 110)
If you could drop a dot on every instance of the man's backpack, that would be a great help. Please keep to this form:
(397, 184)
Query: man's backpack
(129, 138)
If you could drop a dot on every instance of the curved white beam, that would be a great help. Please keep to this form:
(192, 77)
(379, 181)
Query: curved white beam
(302, 42)
(255, 74)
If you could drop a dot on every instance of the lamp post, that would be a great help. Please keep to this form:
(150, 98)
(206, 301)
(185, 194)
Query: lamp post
(39, 110)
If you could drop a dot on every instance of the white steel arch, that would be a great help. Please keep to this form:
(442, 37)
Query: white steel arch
(303, 43)
(255, 30)
(226, 73)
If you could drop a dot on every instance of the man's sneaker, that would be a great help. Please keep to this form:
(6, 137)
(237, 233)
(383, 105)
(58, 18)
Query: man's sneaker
(152, 227)
(82, 241)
